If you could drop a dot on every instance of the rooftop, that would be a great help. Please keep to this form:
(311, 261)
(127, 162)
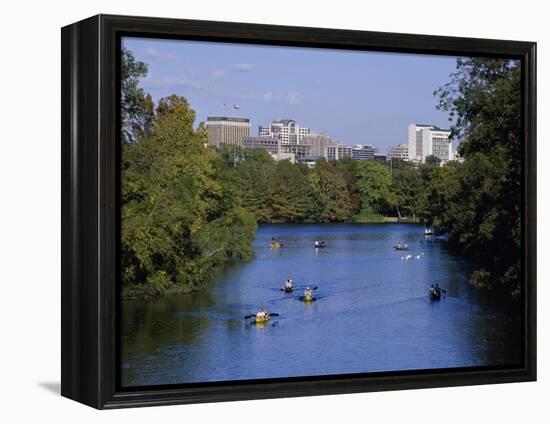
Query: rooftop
(225, 118)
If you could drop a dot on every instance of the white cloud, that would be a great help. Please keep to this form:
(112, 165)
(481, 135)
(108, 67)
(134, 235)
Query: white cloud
(217, 73)
(243, 67)
(175, 82)
(154, 54)
(293, 98)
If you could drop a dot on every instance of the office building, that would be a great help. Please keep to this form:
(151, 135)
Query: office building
(427, 140)
(399, 152)
(272, 145)
(339, 151)
(286, 130)
(318, 145)
(364, 152)
(224, 130)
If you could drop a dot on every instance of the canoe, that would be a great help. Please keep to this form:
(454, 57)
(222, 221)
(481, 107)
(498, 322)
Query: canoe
(262, 320)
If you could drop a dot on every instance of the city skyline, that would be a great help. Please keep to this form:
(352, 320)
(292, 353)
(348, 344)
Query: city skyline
(354, 97)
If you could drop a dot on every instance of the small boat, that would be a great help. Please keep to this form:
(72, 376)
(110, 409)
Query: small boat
(435, 294)
(276, 245)
(288, 289)
(308, 298)
(401, 247)
(428, 231)
(259, 320)
(320, 245)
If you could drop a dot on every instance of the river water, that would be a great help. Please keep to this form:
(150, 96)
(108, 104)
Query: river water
(372, 313)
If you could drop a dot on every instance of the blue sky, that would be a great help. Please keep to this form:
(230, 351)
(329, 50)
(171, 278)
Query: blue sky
(355, 97)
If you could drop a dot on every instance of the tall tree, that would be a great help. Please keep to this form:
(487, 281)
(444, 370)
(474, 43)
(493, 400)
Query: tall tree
(137, 108)
(483, 218)
(331, 191)
(180, 209)
(373, 182)
(291, 198)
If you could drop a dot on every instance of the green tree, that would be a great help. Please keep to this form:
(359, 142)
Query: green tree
(347, 170)
(331, 191)
(291, 198)
(373, 182)
(255, 172)
(137, 108)
(483, 217)
(405, 192)
(180, 209)
(432, 160)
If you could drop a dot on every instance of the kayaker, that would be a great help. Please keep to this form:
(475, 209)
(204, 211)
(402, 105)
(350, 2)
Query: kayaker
(288, 284)
(308, 293)
(262, 313)
(436, 290)
(316, 243)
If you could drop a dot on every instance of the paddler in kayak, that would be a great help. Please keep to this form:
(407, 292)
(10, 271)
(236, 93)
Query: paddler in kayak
(308, 294)
(262, 314)
(288, 286)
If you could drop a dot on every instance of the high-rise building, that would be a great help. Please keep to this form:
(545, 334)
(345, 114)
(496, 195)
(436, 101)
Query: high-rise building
(427, 140)
(286, 130)
(399, 152)
(319, 145)
(364, 152)
(224, 130)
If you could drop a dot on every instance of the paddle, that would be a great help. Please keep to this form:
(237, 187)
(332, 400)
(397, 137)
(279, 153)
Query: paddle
(274, 314)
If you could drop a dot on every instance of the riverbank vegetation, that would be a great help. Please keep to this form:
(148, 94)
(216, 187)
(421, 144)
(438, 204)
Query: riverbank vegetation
(188, 208)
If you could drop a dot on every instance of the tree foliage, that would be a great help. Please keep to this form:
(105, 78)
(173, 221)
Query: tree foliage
(481, 213)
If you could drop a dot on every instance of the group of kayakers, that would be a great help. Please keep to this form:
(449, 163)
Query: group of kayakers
(288, 287)
(263, 314)
(275, 244)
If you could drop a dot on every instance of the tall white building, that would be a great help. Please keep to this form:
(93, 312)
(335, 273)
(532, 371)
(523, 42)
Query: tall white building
(286, 130)
(426, 140)
(224, 130)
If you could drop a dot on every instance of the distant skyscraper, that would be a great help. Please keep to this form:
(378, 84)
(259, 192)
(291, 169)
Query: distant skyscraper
(399, 152)
(224, 130)
(426, 140)
(286, 130)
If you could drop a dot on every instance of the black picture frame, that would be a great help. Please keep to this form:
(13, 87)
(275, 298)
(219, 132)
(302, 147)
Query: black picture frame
(90, 208)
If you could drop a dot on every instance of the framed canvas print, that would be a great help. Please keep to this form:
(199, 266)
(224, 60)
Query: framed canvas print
(253, 211)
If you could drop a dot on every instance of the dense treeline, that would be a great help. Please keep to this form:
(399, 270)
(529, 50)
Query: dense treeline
(188, 208)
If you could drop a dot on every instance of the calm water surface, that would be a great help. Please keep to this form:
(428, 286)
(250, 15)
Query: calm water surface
(372, 314)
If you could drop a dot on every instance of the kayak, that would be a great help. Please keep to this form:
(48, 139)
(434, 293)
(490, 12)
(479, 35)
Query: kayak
(308, 298)
(276, 245)
(401, 247)
(262, 320)
(287, 290)
(435, 295)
